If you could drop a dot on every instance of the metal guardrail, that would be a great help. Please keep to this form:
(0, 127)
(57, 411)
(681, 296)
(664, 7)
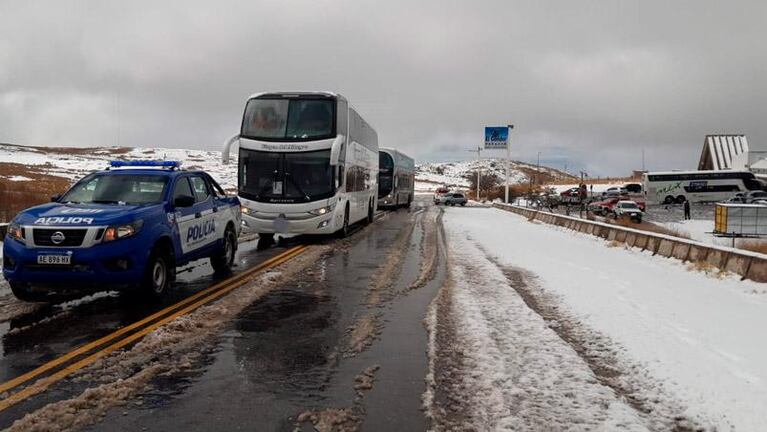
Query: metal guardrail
(750, 265)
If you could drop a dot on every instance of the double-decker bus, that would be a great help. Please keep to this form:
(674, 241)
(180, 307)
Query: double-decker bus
(308, 164)
(697, 186)
(396, 178)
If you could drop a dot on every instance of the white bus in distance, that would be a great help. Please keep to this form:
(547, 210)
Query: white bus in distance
(308, 164)
(396, 178)
(697, 186)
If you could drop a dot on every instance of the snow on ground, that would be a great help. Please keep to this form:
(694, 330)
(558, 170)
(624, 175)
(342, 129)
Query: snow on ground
(698, 335)
(522, 375)
(440, 179)
(698, 230)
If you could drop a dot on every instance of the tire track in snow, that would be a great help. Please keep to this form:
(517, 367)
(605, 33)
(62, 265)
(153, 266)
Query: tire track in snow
(498, 364)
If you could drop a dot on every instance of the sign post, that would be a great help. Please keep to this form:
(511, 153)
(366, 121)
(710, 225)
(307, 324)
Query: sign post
(497, 138)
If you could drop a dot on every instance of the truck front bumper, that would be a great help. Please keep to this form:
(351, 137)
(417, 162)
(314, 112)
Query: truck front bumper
(116, 264)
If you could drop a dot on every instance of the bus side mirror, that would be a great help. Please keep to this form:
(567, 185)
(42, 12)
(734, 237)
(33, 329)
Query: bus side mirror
(183, 201)
(227, 146)
(335, 149)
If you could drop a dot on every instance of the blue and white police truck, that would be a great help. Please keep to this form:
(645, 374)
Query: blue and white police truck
(127, 226)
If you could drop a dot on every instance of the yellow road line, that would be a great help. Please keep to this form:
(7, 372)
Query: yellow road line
(217, 290)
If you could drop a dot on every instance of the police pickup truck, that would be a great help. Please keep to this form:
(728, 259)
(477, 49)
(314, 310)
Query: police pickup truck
(127, 226)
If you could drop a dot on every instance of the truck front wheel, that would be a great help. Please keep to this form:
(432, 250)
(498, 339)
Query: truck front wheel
(157, 274)
(223, 260)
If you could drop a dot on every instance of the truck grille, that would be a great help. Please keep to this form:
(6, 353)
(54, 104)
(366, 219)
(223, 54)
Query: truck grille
(72, 237)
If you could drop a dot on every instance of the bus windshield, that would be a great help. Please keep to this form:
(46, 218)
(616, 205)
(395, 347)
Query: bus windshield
(385, 174)
(288, 119)
(285, 177)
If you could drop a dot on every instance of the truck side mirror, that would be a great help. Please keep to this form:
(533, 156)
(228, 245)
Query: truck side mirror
(183, 201)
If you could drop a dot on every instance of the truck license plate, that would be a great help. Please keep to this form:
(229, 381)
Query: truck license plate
(54, 259)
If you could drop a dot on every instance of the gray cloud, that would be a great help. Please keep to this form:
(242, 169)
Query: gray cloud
(587, 83)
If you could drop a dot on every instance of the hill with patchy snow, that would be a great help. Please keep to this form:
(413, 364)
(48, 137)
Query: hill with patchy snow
(455, 174)
(22, 163)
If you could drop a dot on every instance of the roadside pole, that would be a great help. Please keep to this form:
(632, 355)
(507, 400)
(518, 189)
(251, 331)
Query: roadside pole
(479, 170)
(508, 163)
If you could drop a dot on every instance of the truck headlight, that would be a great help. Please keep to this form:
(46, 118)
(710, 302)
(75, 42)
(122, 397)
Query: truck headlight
(16, 232)
(121, 231)
(323, 210)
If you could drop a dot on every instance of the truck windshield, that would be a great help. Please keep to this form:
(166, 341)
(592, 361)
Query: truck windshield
(117, 189)
(285, 177)
(289, 119)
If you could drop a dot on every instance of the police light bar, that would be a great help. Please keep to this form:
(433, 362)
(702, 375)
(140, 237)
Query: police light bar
(145, 163)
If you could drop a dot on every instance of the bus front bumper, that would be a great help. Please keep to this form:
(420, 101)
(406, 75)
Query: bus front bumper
(325, 224)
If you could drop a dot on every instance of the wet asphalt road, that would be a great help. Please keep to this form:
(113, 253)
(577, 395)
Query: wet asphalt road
(286, 354)
(35, 334)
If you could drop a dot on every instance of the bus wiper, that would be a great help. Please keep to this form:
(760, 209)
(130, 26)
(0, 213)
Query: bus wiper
(298, 188)
(105, 202)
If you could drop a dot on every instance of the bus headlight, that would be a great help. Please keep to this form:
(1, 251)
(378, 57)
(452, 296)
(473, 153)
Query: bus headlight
(323, 210)
(121, 231)
(244, 210)
(16, 232)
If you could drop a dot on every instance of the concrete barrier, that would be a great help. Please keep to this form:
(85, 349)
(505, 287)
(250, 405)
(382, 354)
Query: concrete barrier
(681, 251)
(750, 265)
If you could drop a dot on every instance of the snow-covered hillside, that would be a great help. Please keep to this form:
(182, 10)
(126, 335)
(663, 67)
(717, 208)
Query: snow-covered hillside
(453, 174)
(73, 163)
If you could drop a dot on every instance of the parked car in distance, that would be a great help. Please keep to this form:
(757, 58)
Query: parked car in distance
(439, 194)
(615, 192)
(755, 197)
(455, 198)
(627, 209)
(572, 192)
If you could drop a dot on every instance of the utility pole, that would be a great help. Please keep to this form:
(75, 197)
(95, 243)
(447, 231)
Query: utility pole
(479, 151)
(508, 162)
(538, 169)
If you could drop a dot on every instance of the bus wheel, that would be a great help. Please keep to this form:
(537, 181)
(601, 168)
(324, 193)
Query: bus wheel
(370, 212)
(345, 228)
(265, 240)
(668, 200)
(680, 199)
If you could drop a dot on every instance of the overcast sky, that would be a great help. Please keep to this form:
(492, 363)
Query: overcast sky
(589, 84)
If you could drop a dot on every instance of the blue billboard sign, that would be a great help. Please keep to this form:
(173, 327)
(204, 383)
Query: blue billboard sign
(496, 137)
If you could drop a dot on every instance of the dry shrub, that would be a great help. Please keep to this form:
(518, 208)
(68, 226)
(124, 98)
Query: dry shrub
(16, 196)
(614, 243)
(605, 180)
(707, 268)
(649, 226)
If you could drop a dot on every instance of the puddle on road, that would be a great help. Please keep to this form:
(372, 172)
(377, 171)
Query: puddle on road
(282, 356)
